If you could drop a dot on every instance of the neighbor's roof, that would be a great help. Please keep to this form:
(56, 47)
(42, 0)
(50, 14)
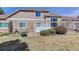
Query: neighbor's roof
(52, 15)
(2, 17)
(67, 18)
(44, 11)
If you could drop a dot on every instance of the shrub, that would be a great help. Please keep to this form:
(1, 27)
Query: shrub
(4, 34)
(23, 34)
(52, 31)
(60, 30)
(45, 33)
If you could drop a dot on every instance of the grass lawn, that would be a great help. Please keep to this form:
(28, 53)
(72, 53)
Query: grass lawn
(48, 43)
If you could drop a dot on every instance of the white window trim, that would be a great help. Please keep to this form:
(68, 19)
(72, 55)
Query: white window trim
(5, 22)
(4, 28)
(22, 27)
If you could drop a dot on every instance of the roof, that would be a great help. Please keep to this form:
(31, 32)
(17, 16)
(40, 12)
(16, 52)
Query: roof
(44, 11)
(2, 17)
(52, 15)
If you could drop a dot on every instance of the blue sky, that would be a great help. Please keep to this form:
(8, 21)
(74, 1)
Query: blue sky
(68, 11)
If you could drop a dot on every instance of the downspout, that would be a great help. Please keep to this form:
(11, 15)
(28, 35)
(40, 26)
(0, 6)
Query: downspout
(10, 27)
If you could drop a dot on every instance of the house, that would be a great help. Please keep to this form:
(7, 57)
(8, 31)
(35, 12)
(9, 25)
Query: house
(29, 20)
(70, 23)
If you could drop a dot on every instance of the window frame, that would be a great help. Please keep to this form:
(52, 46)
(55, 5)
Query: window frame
(37, 15)
(4, 22)
(38, 23)
(54, 25)
(25, 24)
(54, 19)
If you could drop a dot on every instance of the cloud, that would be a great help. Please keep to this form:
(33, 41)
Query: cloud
(75, 13)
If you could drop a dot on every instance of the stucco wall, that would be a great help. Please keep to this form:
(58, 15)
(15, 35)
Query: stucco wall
(30, 15)
(4, 30)
(15, 25)
(29, 28)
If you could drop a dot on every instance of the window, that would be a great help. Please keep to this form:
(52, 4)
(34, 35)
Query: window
(38, 24)
(38, 13)
(3, 25)
(22, 24)
(54, 24)
(53, 19)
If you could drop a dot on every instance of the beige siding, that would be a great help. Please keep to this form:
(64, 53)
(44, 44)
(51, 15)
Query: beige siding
(30, 15)
(59, 21)
(48, 20)
(16, 26)
(29, 28)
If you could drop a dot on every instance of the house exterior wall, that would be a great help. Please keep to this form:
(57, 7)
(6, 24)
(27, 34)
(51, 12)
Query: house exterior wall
(30, 24)
(4, 30)
(48, 20)
(29, 17)
(31, 20)
(59, 21)
(15, 25)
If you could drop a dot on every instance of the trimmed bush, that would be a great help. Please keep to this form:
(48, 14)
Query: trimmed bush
(52, 31)
(23, 34)
(45, 33)
(60, 30)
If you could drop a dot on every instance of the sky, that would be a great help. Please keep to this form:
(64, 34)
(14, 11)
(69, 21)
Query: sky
(67, 11)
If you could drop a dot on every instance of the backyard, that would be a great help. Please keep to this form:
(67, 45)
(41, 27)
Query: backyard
(47, 43)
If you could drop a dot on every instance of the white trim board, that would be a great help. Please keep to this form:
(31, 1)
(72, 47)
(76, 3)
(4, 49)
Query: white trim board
(23, 19)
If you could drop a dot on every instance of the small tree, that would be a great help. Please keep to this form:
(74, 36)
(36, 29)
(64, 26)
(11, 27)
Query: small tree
(1, 11)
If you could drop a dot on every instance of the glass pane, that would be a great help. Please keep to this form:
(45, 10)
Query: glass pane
(38, 24)
(22, 24)
(54, 24)
(3, 25)
(38, 13)
(0, 24)
(54, 19)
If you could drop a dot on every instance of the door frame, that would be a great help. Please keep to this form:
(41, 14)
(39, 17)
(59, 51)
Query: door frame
(35, 25)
